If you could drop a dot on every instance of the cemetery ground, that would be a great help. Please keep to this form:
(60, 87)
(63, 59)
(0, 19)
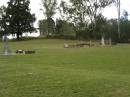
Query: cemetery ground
(55, 71)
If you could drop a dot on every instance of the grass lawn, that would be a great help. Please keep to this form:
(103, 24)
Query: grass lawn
(55, 71)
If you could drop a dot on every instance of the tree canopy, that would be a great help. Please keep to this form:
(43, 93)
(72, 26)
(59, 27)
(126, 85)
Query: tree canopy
(17, 18)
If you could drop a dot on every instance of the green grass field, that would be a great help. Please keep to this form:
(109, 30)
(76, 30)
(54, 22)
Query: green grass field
(55, 71)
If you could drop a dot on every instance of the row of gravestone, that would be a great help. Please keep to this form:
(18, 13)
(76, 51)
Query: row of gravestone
(78, 45)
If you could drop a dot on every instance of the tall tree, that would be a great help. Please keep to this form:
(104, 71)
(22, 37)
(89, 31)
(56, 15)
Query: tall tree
(84, 12)
(3, 20)
(20, 20)
(49, 8)
(76, 11)
(49, 11)
(42, 27)
(64, 28)
(46, 27)
(124, 27)
(101, 28)
(63, 10)
(94, 9)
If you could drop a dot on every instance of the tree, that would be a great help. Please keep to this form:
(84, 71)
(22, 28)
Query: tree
(49, 11)
(94, 9)
(76, 12)
(3, 21)
(18, 17)
(49, 8)
(124, 27)
(63, 10)
(64, 28)
(47, 27)
(50, 26)
(83, 13)
(42, 27)
(101, 28)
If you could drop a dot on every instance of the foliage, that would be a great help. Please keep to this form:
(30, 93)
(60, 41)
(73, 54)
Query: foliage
(3, 21)
(76, 12)
(113, 29)
(125, 30)
(49, 8)
(84, 13)
(101, 25)
(95, 8)
(65, 28)
(42, 24)
(18, 18)
(63, 10)
(50, 26)
(79, 10)
(58, 36)
(80, 18)
(47, 27)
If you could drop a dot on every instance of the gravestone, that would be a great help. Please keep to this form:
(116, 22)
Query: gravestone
(6, 48)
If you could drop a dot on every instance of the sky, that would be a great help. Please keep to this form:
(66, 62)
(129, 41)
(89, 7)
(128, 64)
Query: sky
(109, 12)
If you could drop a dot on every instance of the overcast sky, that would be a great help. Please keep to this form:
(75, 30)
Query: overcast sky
(109, 12)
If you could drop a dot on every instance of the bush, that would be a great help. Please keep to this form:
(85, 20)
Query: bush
(70, 37)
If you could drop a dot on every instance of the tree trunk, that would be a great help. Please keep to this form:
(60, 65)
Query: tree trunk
(17, 35)
(18, 31)
(102, 41)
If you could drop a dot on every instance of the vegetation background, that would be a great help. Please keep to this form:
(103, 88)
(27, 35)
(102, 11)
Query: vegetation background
(55, 71)
(61, 72)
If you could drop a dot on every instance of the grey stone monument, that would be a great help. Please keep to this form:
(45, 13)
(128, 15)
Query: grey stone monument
(6, 48)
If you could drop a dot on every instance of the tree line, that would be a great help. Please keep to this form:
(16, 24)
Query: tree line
(78, 19)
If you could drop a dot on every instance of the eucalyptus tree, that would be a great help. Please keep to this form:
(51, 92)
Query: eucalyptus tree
(124, 27)
(65, 28)
(75, 11)
(84, 12)
(4, 30)
(95, 8)
(101, 28)
(50, 7)
(42, 27)
(63, 10)
(1, 14)
(49, 11)
(113, 31)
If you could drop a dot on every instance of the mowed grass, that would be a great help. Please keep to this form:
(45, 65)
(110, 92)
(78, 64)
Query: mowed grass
(55, 71)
